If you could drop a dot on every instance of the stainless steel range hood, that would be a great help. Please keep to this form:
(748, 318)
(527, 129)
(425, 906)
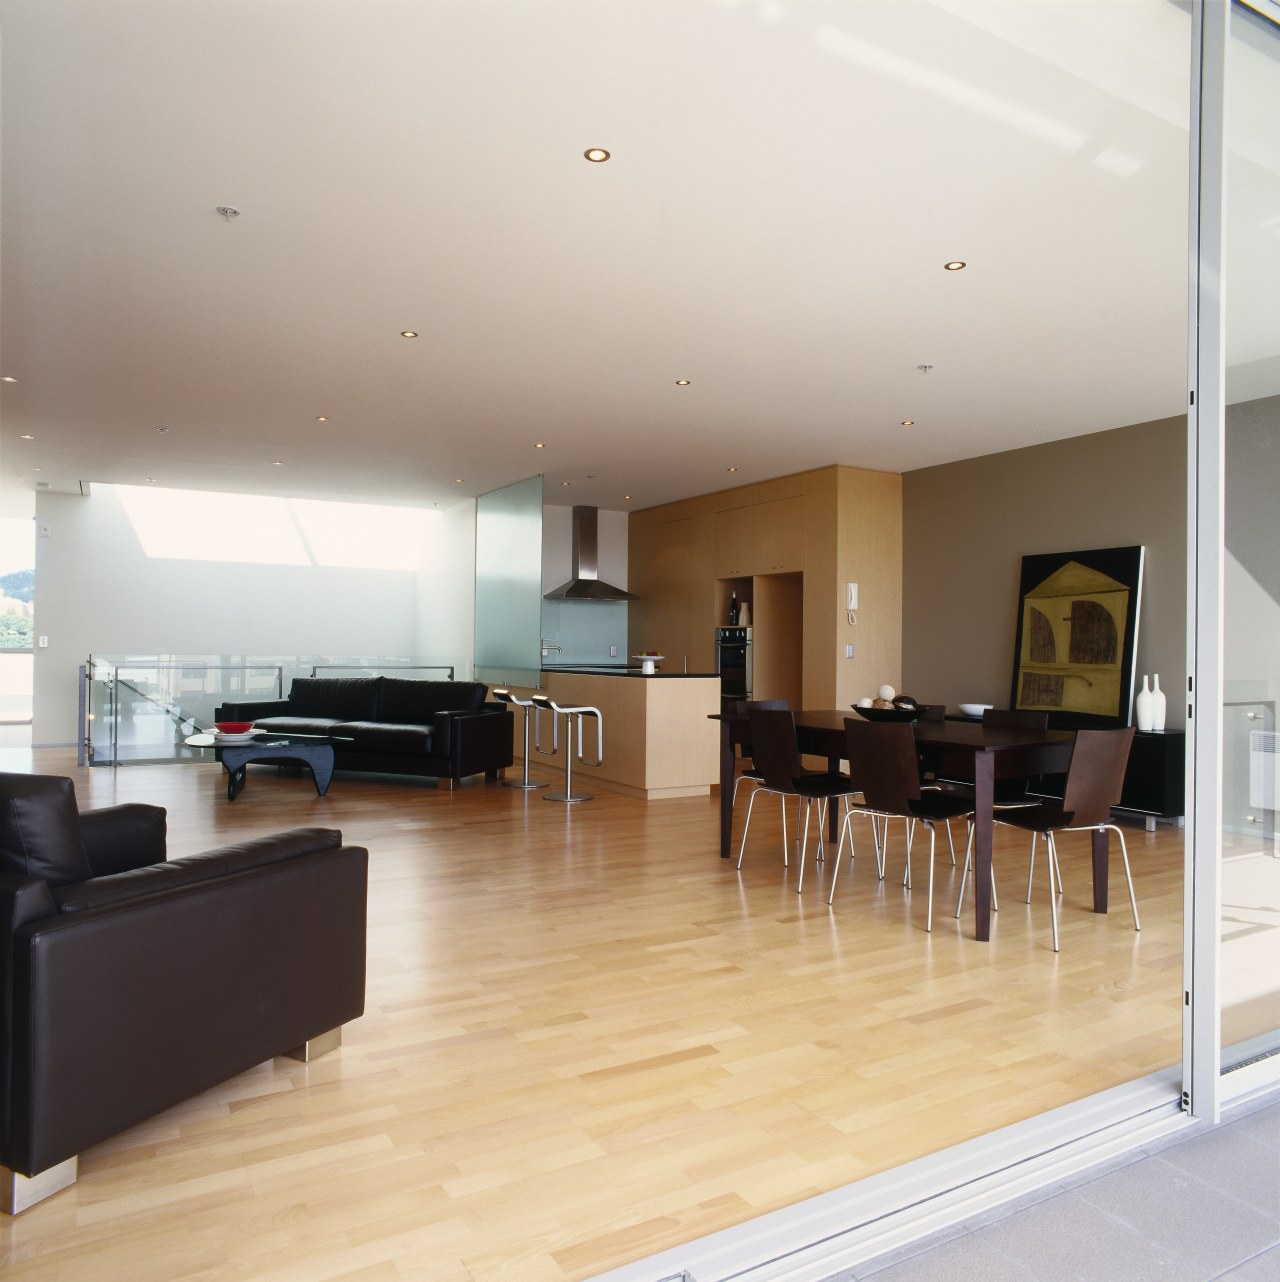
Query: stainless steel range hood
(586, 584)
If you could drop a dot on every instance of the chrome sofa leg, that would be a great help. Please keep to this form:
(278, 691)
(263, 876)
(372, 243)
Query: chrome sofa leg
(317, 1046)
(23, 1191)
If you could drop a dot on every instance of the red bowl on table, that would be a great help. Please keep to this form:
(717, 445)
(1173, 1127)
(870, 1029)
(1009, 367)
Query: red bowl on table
(234, 727)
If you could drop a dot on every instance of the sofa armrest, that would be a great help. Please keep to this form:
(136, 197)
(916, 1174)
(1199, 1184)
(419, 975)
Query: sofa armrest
(251, 710)
(209, 865)
(127, 1010)
(480, 741)
(118, 838)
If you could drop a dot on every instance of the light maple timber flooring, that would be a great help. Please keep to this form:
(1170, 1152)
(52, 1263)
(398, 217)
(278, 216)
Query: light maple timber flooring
(588, 1038)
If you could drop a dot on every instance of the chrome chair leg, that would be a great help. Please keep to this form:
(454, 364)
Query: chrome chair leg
(1052, 861)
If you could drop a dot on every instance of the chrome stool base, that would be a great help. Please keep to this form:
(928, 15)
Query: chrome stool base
(525, 784)
(567, 798)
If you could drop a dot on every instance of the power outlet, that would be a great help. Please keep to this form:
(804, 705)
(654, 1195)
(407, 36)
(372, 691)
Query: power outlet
(848, 650)
(613, 652)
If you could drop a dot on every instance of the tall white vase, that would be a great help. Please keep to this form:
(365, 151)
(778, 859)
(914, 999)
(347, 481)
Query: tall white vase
(1157, 703)
(1144, 707)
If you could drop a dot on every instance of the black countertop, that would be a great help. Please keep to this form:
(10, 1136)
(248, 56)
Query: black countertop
(617, 670)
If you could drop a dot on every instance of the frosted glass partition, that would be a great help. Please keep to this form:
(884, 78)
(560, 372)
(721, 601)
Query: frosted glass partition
(509, 584)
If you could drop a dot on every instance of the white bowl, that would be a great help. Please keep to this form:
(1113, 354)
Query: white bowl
(975, 709)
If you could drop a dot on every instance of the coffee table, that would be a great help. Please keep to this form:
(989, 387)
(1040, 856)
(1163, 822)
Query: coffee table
(313, 751)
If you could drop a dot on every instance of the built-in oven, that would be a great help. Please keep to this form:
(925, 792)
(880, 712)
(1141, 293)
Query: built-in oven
(733, 663)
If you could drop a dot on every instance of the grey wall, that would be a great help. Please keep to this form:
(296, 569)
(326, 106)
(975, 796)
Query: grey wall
(967, 526)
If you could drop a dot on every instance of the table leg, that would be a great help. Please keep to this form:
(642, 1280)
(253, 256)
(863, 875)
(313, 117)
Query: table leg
(833, 812)
(1101, 869)
(983, 825)
(235, 782)
(322, 772)
(726, 788)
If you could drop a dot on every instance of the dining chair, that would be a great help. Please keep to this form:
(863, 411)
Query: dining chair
(776, 755)
(1095, 779)
(739, 708)
(884, 766)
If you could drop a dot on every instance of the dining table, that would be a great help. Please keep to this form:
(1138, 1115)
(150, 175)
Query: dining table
(965, 750)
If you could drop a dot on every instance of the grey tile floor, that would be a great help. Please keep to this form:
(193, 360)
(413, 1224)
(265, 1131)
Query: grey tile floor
(1195, 1210)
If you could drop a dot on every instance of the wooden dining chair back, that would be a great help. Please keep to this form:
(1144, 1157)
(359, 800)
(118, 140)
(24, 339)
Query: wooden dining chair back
(882, 761)
(1095, 777)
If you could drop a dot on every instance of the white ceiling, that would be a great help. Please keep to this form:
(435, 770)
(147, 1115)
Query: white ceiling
(787, 179)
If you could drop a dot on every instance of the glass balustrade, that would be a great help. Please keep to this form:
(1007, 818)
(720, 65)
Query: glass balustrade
(137, 709)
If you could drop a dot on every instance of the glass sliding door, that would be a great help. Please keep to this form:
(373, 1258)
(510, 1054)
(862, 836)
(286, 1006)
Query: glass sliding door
(1249, 926)
(1232, 923)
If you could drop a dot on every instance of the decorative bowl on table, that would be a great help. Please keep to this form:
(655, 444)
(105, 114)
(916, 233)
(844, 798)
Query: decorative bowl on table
(233, 727)
(647, 661)
(887, 714)
(975, 709)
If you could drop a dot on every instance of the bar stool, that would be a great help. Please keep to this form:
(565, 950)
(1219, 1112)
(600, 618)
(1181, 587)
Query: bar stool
(526, 784)
(542, 702)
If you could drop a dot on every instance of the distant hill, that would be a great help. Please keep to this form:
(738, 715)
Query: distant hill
(20, 585)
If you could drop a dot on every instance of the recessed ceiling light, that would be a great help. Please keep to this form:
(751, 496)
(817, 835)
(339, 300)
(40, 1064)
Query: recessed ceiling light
(7, 379)
(626, 496)
(457, 480)
(320, 418)
(907, 422)
(731, 469)
(277, 462)
(538, 445)
(682, 382)
(564, 482)
(596, 155)
(955, 265)
(150, 480)
(162, 430)
(408, 333)
(26, 436)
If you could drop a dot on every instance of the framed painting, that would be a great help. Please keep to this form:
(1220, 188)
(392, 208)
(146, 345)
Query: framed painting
(1078, 636)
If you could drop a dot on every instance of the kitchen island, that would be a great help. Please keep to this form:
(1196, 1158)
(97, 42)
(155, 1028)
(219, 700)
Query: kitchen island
(658, 742)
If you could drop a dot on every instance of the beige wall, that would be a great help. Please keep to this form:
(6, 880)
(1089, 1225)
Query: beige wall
(968, 524)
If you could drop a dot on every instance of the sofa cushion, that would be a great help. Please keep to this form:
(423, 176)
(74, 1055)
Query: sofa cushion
(40, 829)
(379, 736)
(346, 698)
(417, 702)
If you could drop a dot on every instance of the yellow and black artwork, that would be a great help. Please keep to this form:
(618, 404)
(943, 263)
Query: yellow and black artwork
(1077, 633)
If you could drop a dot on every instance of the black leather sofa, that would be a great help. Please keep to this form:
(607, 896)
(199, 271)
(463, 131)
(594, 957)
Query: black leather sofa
(129, 983)
(393, 725)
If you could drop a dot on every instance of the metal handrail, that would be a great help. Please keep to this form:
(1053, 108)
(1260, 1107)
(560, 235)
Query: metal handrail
(384, 667)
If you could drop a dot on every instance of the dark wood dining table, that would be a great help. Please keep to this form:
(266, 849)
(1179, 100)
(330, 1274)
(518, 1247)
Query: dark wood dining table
(965, 750)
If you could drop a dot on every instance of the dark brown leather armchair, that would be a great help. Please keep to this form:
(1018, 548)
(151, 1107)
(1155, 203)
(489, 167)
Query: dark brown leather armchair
(129, 983)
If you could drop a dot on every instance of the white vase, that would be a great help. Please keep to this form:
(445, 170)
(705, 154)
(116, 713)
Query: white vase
(1144, 707)
(1158, 702)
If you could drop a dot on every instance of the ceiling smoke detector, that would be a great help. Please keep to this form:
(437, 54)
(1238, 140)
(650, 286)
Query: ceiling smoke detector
(228, 212)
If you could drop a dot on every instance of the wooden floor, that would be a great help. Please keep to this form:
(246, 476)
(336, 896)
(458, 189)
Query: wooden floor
(588, 1038)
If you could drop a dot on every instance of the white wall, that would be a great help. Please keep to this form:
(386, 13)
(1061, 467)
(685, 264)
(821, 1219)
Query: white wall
(98, 592)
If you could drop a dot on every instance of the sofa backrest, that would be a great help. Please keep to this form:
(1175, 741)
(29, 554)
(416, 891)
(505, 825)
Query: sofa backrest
(344, 698)
(40, 829)
(406, 702)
